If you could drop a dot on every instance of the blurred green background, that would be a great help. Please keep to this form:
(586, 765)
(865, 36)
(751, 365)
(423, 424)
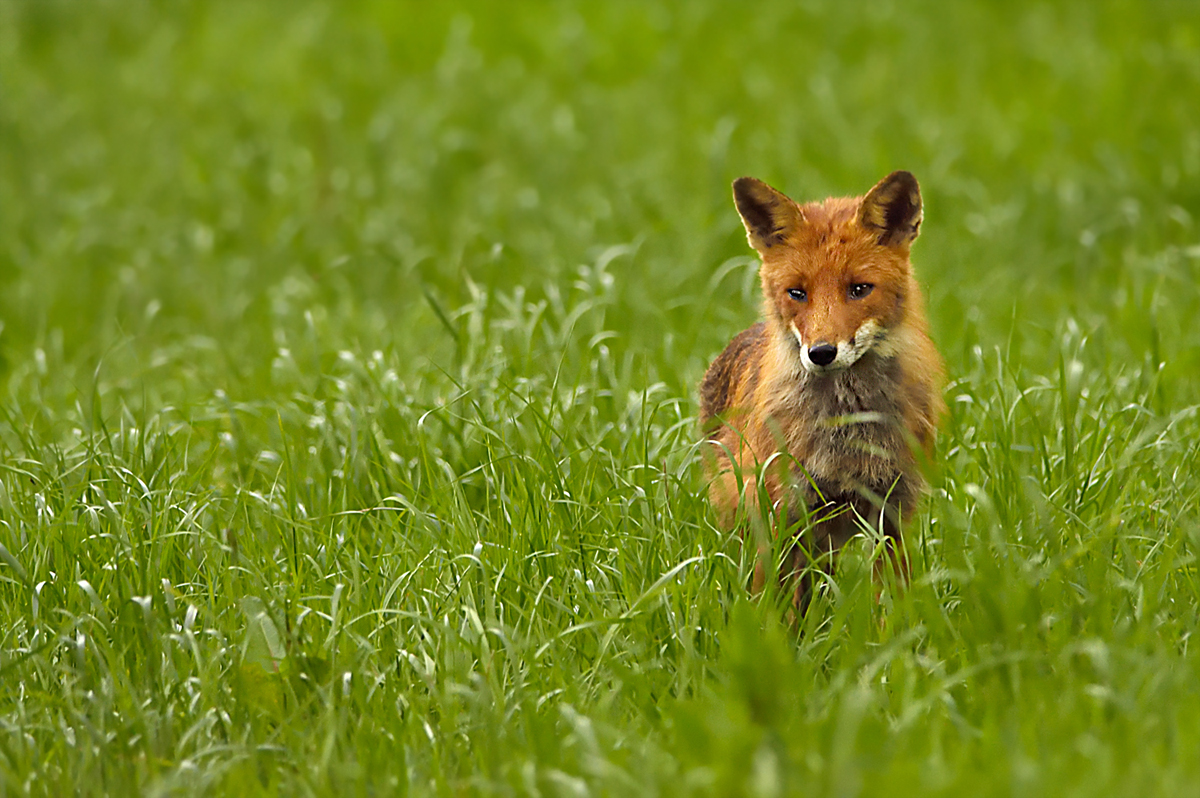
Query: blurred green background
(349, 354)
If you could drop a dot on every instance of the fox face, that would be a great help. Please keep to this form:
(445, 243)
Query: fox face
(836, 277)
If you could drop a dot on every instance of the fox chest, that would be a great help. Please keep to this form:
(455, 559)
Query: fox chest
(847, 432)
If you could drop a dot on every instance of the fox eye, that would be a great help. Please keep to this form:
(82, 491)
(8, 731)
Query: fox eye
(798, 294)
(860, 290)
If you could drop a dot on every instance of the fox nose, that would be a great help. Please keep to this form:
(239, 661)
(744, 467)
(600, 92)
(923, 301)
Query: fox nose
(822, 354)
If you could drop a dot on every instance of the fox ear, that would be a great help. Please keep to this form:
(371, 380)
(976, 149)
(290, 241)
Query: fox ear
(893, 210)
(769, 215)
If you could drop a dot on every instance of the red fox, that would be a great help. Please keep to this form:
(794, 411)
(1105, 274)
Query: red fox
(826, 399)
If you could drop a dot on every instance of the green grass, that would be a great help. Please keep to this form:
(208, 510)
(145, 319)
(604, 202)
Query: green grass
(347, 433)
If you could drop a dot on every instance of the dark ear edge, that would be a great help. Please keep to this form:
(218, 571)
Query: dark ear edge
(768, 214)
(892, 209)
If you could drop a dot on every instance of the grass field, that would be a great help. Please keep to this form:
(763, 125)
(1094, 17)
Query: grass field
(347, 430)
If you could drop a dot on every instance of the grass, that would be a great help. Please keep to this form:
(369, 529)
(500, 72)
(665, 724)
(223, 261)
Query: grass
(347, 438)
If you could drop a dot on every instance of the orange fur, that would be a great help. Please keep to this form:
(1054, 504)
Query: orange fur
(832, 441)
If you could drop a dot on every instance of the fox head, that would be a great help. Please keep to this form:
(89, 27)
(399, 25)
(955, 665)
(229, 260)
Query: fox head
(836, 276)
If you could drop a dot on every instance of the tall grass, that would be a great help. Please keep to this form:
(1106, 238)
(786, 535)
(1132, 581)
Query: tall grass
(347, 439)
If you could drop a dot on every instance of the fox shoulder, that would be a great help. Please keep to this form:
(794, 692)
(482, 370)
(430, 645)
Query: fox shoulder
(735, 371)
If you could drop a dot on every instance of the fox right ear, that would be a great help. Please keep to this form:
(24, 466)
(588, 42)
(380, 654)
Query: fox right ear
(768, 214)
(892, 210)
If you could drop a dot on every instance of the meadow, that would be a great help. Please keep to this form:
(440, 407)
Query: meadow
(348, 356)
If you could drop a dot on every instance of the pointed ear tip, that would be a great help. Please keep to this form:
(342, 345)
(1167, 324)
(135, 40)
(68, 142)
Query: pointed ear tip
(901, 176)
(752, 190)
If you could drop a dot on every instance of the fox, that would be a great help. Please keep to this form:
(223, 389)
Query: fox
(829, 405)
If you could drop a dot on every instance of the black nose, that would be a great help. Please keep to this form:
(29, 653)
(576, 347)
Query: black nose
(822, 354)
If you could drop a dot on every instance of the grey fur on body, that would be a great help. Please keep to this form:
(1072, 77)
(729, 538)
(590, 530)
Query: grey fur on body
(849, 424)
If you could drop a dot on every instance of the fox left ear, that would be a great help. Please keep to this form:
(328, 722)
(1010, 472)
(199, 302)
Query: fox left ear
(768, 214)
(893, 210)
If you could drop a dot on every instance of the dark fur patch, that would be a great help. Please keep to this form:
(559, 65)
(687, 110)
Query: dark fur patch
(716, 388)
(760, 221)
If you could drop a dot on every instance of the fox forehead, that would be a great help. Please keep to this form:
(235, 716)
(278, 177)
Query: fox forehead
(830, 259)
(830, 246)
